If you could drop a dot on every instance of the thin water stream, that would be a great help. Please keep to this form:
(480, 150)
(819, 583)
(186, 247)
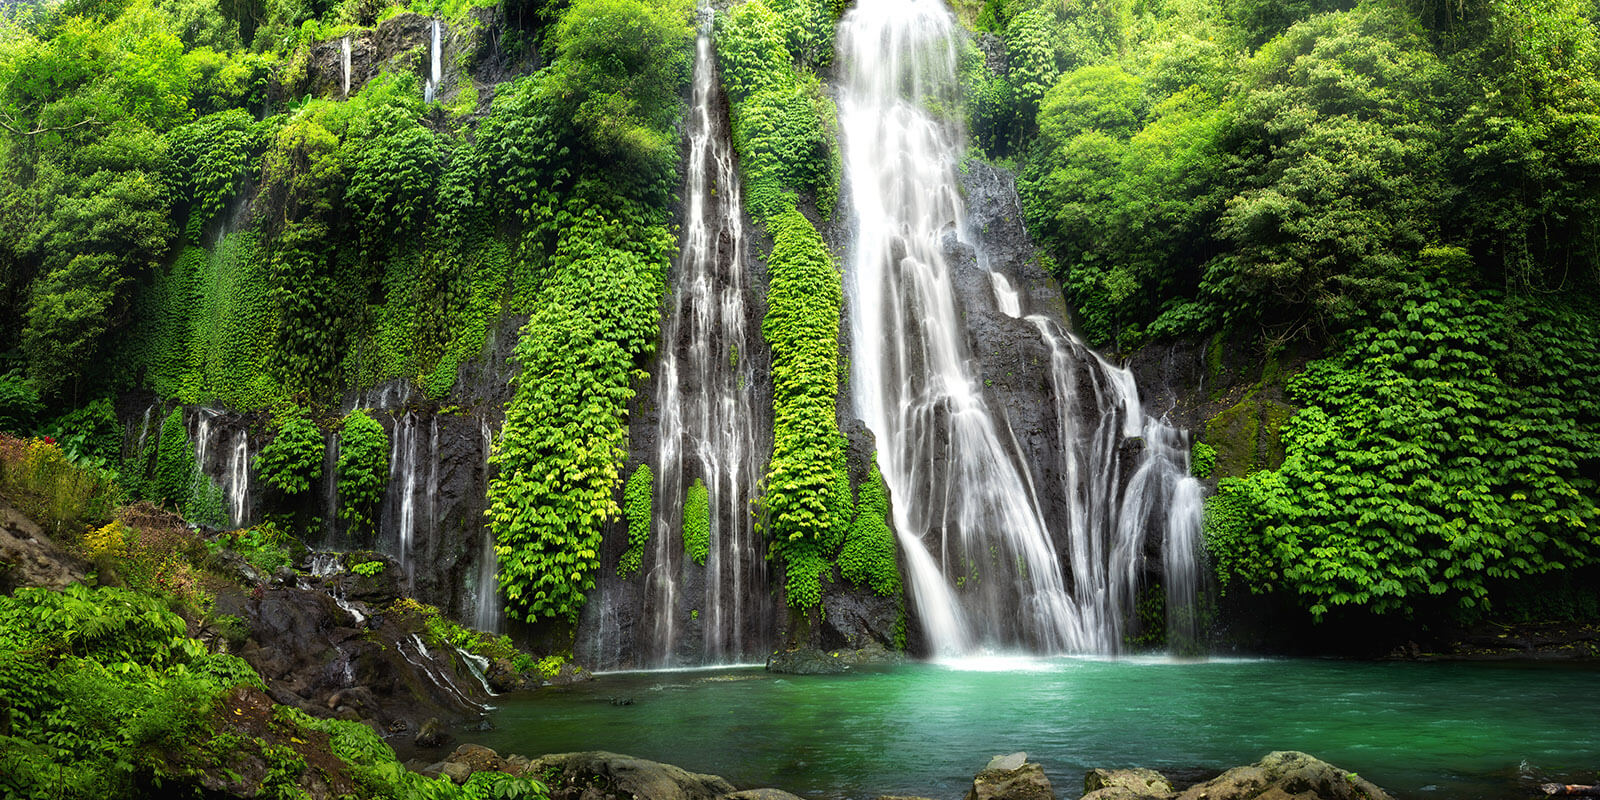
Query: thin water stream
(1442, 730)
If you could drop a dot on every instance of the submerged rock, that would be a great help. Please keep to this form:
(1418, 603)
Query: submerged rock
(1011, 777)
(811, 661)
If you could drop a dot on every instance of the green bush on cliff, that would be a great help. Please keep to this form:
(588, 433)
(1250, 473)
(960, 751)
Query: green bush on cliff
(292, 460)
(868, 558)
(697, 523)
(363, 471)
(1436, 456)
(638, 500)
(592, 271)
(802, 499)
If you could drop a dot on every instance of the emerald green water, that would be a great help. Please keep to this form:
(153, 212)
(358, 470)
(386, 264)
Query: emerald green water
(1454, 730)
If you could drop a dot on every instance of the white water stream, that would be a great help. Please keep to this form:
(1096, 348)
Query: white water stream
(435, 65)
(707, 427)
(988, 568)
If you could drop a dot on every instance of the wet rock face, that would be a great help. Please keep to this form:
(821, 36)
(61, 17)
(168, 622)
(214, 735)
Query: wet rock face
(394, 43)
(28, 558)
(319, 657)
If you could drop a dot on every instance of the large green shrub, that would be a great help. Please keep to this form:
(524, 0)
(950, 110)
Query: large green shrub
(868, 557)
(363, 471)
(697, 522)
(638, 501)
(292, 460)
(1436, 455)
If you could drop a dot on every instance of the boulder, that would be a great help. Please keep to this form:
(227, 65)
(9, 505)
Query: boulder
(805, 661)
(432, 734)
(1126, 784)
(608, 776)
(760, 794)
(29, 558)
(1286, 775)
(478, 758)
(1011, 777)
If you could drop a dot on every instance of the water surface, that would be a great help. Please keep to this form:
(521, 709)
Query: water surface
(1449, 730)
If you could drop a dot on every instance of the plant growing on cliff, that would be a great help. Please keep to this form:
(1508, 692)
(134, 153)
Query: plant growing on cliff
(868, 557)
(697, 522)
(363, 471)
(292, 460)
(638, 500)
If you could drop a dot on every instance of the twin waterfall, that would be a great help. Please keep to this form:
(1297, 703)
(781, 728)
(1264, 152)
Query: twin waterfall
(1030, 516)
(988, 567)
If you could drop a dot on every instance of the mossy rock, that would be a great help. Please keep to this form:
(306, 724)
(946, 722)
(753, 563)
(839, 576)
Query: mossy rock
(1248, 437)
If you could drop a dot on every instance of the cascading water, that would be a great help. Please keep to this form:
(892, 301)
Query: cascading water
(987, 567)
(237, 485)
(411, 491)
(487, 610)
(344, 61)
(950, 464)
(435, 67)
(707, 427)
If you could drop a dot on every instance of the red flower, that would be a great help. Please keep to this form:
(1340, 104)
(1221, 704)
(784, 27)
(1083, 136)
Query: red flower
(47, 439)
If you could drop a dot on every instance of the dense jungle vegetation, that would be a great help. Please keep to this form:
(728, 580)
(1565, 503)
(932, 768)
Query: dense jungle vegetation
(1389, 206)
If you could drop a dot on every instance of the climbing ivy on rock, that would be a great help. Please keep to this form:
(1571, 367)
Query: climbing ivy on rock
(868, 557)
(803, 477)
(638, 501)
(697, 522)
(292, 460)
(174, 467)
(363, 472)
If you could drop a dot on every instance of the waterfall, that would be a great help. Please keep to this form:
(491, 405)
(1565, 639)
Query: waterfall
(412, 492)
(330, 487)
(487, 610)
(344, 61)
(987, 566)
(237, 485)
(435, 70)
(707, 424)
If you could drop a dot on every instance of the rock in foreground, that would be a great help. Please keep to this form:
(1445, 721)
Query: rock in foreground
(1283, 775)
(1011, 777)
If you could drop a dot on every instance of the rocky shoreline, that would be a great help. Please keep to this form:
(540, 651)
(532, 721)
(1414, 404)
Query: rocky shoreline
(599, 775)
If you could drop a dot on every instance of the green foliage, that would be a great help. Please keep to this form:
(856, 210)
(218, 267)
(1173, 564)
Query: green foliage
(102, 687)
(783, 123)
(802, 326)
(1440, 451)
(175, 466)
(563, 442)
(363, 471)
(367, 568)
(19, 403)
(619, 64)
(88, 436)
(697, 523)
(264, 546)
(292, 460)
(638, 503)
(1202, 459)
(62, 497)
(868, 558)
